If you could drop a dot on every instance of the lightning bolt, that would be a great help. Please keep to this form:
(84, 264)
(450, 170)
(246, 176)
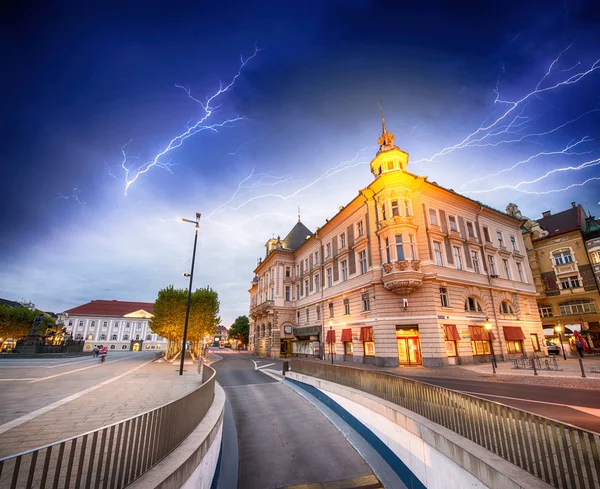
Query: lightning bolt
(507, 116)
(564, 151)
(73, 196)
(192, 128)
(344, 165)
(583, 166)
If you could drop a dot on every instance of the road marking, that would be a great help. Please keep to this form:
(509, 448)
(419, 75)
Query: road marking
(592, 411)
(76, 370)
(255, 365)
(34, 414)
(70, 363)
(265, 366)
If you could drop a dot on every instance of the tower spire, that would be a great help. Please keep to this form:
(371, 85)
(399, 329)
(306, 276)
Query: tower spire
(386, 140)
(383, 128)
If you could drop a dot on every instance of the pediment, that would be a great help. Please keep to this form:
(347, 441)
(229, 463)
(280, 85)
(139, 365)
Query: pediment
(139, 314)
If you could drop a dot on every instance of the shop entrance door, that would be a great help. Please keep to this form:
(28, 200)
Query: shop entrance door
(409, 348)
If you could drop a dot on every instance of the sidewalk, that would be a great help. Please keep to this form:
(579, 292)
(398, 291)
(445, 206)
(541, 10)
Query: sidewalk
(568, 375)
(148, 387)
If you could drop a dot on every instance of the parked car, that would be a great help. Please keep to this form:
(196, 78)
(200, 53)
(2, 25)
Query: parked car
(553, 348)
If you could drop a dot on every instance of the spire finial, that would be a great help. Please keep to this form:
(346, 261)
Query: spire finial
(298, 214)
(383, 128)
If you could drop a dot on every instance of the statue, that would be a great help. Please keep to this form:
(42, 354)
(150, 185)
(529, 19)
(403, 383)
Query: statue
(38, 323)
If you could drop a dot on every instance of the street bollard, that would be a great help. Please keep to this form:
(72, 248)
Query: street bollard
(286, 367)
(533, 366)
(581, 366)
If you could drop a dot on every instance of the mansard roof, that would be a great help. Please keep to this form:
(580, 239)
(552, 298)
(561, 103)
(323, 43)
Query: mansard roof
(296, 237)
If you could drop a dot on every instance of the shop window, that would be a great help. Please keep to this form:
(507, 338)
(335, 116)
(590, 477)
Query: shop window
(451, 336)
(347, 348)
(369, 347)
(535, 342)
(451, 348)
(514, 346)
(481, 348)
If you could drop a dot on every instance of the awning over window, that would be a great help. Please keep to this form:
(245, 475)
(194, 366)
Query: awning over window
(479, 333)
(451, 332)
(331, 336)
(366, 334)
(513, 333)
(346, 335)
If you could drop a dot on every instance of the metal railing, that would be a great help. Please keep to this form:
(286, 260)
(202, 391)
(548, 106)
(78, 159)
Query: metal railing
(562, 455)
(113, 456)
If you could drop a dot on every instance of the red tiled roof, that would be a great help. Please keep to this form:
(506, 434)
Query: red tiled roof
(111, 308)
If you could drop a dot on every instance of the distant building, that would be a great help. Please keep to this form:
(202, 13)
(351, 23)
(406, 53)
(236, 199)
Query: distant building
(220, 336)
(564, 253)
(119, 325)
(407, 273)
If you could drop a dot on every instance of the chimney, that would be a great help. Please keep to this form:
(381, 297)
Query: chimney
(546, 214)
(573, 204)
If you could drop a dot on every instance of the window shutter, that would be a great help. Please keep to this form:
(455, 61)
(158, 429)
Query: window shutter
(467, 253)
(336, 270)
(461, 227)
(449, 255)
(311, 283)
(351, 255)
(301, 267)
(334, 246)
(425, 218)
(301, 288)
(443, 221)
(310, 262)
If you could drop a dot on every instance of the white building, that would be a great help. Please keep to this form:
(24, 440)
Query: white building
(119, 325)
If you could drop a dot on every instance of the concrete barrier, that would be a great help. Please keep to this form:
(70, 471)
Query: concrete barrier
(436, 456)
(192, 464)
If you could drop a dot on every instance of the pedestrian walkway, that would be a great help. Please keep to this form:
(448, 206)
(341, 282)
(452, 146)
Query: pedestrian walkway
(146, 388)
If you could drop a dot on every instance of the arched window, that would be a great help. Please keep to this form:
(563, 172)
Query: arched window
(506, 308)
(473, 305)
(576, 307)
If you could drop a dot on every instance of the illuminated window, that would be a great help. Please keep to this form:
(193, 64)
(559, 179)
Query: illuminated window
(514, 346)
(535, 342)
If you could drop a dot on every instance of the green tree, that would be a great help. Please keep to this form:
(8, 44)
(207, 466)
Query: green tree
(169, 316)
(240, 329)
(16, 322)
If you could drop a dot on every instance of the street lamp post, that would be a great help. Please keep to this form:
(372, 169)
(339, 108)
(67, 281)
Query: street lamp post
(191, 274)
(558, 328)
(488, 326)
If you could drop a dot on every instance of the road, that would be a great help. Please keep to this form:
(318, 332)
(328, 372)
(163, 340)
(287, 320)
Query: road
(283, 440)
(28, 384)
(579, 407)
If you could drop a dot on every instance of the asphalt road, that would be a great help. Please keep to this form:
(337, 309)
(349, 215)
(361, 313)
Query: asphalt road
(282, 439)
(578, 407)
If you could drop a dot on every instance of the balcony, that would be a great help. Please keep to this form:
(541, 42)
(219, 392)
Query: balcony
(402, 277)
(397, 221)
(262, 307)
(567, 268)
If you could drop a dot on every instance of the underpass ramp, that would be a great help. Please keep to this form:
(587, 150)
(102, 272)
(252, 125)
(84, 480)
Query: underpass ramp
(365, 482)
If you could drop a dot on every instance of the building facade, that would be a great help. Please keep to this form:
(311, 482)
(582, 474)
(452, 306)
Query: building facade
(563, 252)
(407, 273)
(119, 325)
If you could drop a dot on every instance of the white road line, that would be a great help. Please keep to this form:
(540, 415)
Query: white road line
(76, 370)
(34, 414)
(265, 366)
(70, 363)
(255, 365)
(592, 411)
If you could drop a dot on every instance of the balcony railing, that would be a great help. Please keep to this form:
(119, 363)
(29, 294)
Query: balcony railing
(403, 276)
(263, 306)
(564, 456)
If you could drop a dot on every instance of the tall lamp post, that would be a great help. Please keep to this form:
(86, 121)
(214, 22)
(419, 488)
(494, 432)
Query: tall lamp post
(488, 326)
(191, 274)
(559, 329)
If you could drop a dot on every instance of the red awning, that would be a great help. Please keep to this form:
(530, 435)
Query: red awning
(513, 333)
(330, 336)
(347, 335)
(451, 332)
(479, 333)
(366, 334)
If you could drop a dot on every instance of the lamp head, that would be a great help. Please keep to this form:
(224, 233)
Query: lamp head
(330, 323)
(558, 328)
(487, 325)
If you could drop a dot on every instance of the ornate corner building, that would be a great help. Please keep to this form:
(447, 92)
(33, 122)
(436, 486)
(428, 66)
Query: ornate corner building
(407, 273)
(564, 252)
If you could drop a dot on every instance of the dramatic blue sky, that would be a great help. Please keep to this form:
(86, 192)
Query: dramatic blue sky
(82, 82)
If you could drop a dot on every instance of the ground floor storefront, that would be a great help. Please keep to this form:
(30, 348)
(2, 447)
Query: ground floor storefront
(132, 345)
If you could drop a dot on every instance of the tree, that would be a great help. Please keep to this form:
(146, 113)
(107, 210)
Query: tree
(16, 322)
(169, 316)
(240, 329)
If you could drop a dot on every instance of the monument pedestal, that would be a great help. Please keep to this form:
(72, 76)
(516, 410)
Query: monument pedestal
(31, 345)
